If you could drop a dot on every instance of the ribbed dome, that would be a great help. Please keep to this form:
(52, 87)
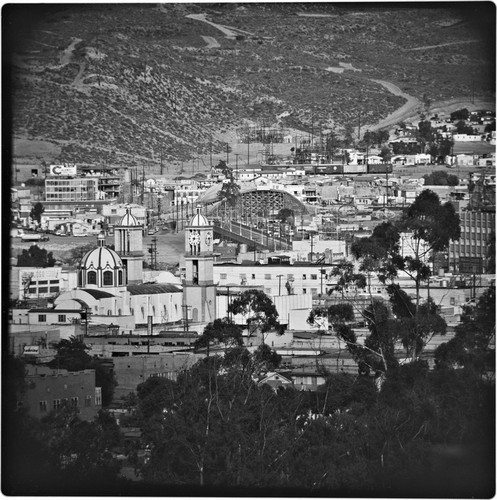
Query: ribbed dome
(128, 219)
(101, 258)
(199, 220)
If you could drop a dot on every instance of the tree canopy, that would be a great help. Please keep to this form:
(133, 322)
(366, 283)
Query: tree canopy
(441, 178)
(471, 347)
(36, 212)
(222, 331)
(35, 257)
(259, 310)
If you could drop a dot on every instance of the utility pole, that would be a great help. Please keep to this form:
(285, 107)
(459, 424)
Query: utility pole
(143, 183)
(210, 149)
(312, 244)
(359, 128)
(236, 165)
(230, 316)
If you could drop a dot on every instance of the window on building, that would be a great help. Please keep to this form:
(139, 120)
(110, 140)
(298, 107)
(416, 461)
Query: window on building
(43, 406)
(304, 290)
(91, 278)
(98, 396)
(62, 318)
(56, 404)
(267, 276)
(88, 401)
(107, 277)
(314, 276)
(43, 289)
(253, 276)
(223, 276)
(452, 301)
(54, 289)
(42, 318)
(74, 401)
(43, 282)
(120, 277)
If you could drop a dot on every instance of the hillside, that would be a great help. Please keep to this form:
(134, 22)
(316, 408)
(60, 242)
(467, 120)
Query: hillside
(127, 83)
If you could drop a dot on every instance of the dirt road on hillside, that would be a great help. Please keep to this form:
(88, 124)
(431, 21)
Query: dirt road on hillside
(413, 107)
(410, 108)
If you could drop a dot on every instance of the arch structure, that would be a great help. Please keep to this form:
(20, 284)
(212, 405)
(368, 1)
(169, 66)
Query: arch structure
(258, 202)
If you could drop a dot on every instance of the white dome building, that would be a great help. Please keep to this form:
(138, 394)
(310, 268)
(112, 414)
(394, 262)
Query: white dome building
(102, 268)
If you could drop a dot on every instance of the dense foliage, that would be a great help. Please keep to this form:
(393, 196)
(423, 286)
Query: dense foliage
(35, 257)
(217, 427)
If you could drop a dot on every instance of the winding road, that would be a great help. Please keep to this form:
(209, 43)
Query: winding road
(410, 108)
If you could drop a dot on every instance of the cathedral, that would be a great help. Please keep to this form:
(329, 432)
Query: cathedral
(112, 292)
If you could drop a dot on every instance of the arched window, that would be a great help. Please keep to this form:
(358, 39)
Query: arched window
(120, 277)
(91, 277)
(107, 277)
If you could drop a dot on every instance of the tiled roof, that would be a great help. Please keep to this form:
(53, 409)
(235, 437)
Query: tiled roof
(152, 288)
(97, 294)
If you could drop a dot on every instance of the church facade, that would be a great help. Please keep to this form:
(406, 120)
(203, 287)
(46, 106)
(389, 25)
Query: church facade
(112, 292)
(111, 289)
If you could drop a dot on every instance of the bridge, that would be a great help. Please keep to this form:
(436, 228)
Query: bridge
(255, 239)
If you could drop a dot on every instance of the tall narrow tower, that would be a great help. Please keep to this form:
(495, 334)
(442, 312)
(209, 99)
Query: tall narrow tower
(199, 291)
(128, 242)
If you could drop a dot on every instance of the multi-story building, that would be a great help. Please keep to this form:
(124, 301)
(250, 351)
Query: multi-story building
(70, 189)
(36, 282)
(110, 181)
(276, 280)
(472, 246)
(48, 390)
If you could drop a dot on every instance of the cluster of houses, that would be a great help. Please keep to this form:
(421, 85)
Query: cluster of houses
(145, 322)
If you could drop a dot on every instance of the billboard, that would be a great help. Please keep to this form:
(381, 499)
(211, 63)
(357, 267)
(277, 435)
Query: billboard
(63, 169)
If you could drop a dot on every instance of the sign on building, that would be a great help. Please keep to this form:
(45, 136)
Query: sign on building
(31, 349)
(63, 169)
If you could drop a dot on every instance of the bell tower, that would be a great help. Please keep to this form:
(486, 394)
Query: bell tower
(199, 291)
(128, 243)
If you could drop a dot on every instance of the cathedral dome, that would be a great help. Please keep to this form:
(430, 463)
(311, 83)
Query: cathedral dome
(128, 219)
(101, 267)
(199, 220)
(100, 258)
